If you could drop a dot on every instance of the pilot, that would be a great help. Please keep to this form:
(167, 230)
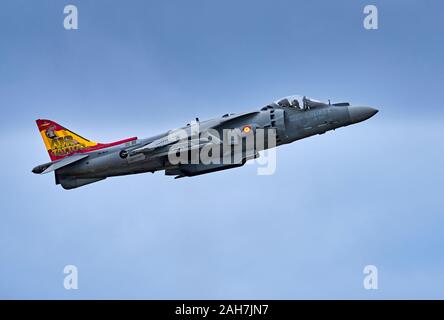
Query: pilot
(305, 103)
(284, 103)
(295, 103)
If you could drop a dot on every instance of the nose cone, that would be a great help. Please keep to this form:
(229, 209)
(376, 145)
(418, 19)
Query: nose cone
(358, 114)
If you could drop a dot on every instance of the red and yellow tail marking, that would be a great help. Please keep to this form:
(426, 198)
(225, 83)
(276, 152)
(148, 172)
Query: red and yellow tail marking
(61, 142)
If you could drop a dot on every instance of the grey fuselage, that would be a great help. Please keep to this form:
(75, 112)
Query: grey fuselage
(290, 124)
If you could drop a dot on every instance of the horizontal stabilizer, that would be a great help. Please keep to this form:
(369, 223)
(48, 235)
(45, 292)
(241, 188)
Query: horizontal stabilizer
(62, 163)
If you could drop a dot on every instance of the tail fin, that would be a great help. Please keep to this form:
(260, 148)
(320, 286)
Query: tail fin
(61, 142)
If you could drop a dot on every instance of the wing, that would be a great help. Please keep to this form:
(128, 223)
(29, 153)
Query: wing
(160, 147)
(227, 119)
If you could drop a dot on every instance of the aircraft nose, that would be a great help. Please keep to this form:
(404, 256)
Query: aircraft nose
(358, 114)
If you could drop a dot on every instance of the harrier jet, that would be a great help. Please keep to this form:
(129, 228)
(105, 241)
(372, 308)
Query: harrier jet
(226, 142)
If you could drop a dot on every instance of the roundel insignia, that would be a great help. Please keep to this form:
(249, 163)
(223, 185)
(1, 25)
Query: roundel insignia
(246, 129)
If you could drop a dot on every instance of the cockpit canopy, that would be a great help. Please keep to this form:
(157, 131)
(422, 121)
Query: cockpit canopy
(299, 102)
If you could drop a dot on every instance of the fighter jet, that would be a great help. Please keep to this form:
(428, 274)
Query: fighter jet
(227, 142)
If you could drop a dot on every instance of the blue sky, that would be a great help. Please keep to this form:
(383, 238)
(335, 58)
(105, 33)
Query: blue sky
(365, 194)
